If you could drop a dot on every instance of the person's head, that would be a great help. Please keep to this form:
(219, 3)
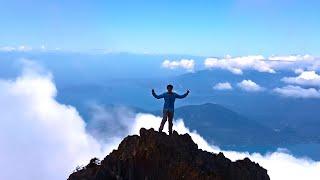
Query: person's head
(169, 88)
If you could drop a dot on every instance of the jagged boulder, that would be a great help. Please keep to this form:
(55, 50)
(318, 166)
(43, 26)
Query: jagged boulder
(154, 155)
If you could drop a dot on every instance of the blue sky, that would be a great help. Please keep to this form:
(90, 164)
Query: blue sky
(209, 28)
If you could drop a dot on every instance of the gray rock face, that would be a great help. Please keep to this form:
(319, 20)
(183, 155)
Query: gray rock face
(154, 155)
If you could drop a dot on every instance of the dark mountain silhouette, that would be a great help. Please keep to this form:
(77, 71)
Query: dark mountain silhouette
(154, 155)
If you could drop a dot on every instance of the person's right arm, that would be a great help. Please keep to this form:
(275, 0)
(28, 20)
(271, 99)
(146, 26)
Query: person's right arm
(157, 96)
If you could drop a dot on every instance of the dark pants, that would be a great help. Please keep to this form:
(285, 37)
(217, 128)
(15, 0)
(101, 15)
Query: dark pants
(167, 115)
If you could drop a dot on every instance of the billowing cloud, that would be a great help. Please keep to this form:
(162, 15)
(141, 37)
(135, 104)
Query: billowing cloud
(249, 85)
(187, 64)
(306, 78)
(295, 63)
(306, 57)
(223, 86)
(40, 138)
(259, 63)
(237, 64)
(297, 92)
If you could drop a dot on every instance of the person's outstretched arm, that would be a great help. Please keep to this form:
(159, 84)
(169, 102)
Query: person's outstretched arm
(156, 96)
(182, 96)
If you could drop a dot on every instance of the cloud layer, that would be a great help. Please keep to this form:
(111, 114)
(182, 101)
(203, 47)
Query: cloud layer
(39, 137)
(238, 64)
(248, 85)
(306, 78)
(222, 86)
(259, 63)
(187, 64)
(297, 92)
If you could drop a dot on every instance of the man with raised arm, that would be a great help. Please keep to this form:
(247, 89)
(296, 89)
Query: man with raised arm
(168, 106)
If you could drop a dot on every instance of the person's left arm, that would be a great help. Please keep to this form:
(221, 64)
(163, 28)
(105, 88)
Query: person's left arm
(182, 96)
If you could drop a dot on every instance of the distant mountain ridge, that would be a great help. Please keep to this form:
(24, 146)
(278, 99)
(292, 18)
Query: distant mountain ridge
(224, 126)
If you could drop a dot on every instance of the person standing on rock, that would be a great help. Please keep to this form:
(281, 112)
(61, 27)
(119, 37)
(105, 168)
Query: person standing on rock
(168, 106)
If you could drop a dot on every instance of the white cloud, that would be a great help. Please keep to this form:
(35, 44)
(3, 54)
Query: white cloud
(39, 137)
(187, 64)
(306, 78)
(306, 57)
(223, 86)
(259, 63)
(249, 85)
(281, 165)
(298, 92)
(296, 63)
(237, 64)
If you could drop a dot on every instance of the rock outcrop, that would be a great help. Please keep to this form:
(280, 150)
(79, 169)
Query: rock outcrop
(154, 155)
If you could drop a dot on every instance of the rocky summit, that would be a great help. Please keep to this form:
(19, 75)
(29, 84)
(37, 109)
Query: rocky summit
(154, 155)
